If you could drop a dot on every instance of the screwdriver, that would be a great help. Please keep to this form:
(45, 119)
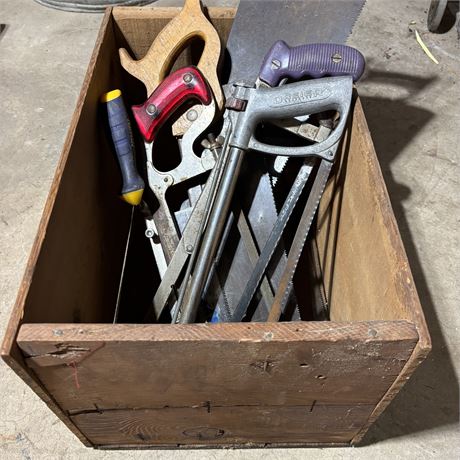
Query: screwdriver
(133, 184)
(122, 136)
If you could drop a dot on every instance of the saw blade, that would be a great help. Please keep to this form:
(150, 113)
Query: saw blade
(253, 197)
(257, 24)
(273, 240)
(282, 294)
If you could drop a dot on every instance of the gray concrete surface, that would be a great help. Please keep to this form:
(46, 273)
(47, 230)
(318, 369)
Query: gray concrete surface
(412, 106)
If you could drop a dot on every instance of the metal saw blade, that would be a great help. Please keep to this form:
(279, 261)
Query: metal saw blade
(257, 25)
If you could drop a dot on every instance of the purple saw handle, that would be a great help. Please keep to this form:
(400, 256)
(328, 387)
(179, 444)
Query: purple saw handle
(313, 60)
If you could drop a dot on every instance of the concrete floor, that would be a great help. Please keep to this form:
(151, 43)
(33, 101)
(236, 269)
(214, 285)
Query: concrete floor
(412, 106)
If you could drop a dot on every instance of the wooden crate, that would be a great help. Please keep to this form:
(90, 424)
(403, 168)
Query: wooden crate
(150, 385)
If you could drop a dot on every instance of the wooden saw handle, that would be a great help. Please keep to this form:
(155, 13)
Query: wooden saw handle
(190, 23)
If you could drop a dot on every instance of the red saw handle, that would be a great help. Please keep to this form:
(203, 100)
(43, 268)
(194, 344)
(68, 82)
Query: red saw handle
(182, 85)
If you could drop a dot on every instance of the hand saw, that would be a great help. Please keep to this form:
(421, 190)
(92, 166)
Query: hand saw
(351, 63)
(175, 90)
(187, 26)
(312, 60)
(151, 70)
(247, 107)
(256, 25)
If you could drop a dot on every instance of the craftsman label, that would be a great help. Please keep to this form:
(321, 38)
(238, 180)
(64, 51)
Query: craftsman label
(300, 97)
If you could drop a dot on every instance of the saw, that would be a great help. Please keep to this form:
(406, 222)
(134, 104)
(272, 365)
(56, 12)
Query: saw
(256, 25)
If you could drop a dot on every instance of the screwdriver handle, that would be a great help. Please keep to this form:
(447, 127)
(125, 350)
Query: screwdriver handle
(314, 60)
(120, 128)
(182, 85)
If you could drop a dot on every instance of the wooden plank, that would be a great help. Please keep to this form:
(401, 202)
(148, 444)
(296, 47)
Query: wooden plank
(156, 13)
(9, 349)
(152, 366)
(357, 230)
(361, 226)
(419, 355)
(76, 267)
(223, 425)
(357, 224)
(407, 292)
(252, 445)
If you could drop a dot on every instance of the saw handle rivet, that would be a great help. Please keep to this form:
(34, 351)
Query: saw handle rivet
(205, 144)
(276, 64)
(152, 110)
(336, 58)
(192, 115)
(188, 78)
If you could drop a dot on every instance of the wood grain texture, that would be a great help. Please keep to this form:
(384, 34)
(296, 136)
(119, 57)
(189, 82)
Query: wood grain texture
(362, 227)
(356, 223)
(314, 331)
(9, 349)
(421, 351)
(188, 26)
(223, 426)
(76, 261)
(140, 26)
(152, 366)
(407, 292)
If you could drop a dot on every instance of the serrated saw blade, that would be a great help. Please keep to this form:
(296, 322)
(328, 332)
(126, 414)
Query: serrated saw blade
(303, 229)
(257, 25)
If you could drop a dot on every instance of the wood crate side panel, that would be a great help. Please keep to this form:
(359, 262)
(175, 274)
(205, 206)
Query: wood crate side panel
(338, 237)
(150, 366)
(10, 351)
(77, 270)
(16, 363)
(356, 223)
(419, 355)
(407, 291)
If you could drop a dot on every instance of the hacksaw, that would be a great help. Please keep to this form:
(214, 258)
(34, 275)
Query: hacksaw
(257, 24)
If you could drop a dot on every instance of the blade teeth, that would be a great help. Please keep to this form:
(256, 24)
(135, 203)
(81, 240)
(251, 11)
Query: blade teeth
(357, 15)
(278, 166)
